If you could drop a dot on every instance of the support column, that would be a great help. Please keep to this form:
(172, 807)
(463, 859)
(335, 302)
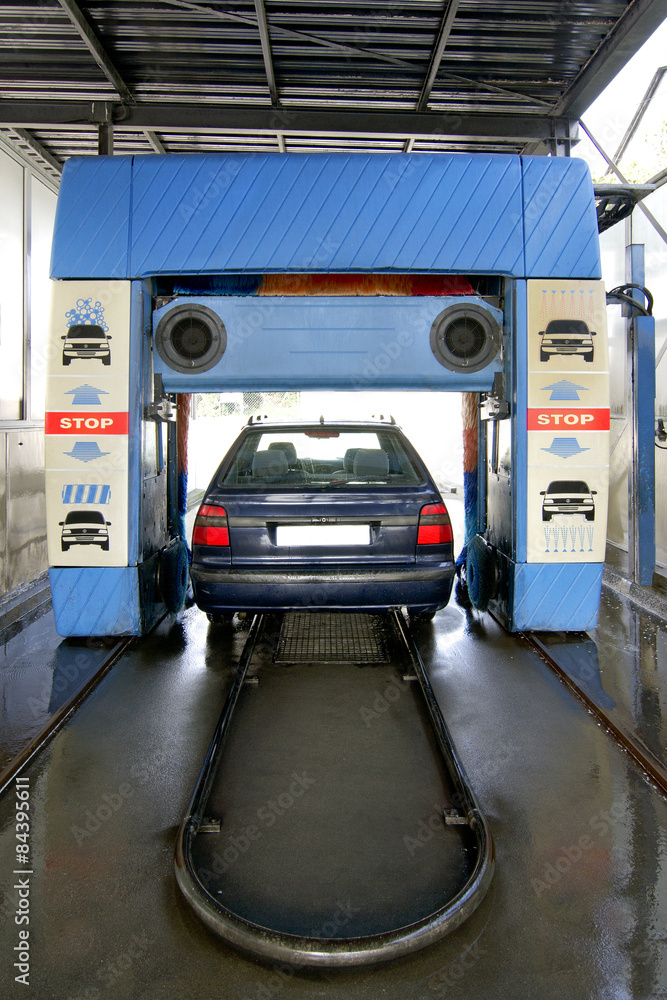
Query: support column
(641, 366)
(105, 139)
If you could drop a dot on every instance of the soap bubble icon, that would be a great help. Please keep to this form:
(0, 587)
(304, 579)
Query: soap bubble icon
(87, 313)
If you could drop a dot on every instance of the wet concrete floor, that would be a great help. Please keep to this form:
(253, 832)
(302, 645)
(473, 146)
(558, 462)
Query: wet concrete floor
(622, 666)
(577, 909)
(39, 673)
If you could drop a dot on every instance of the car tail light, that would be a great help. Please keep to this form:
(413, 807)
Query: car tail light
(211, 526)
(435, 528)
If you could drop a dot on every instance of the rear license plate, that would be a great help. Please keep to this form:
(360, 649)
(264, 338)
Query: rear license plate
(297, 535)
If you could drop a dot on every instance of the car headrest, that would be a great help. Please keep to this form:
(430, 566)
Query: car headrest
(371, 462)
(348, 459)
(287, 447)
(269, 463)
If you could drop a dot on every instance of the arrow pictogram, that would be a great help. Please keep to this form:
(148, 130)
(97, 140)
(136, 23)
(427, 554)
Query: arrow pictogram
(564, 390)
(86, 451)
(565, 447)
(86, 395)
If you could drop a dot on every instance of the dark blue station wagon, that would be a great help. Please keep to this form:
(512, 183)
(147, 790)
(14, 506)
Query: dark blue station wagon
(322, 515)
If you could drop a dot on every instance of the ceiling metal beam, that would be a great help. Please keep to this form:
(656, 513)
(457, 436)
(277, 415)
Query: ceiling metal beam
(155, 141)
(451, 7)
(610, 163)
(642, 108)
(637, 23)
(658, 180)
(36, 147)
(174, 117)
(96, 49)
(263, 26)
(377, 54)
(227, 15)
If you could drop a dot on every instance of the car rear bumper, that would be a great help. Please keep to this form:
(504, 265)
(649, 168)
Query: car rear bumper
(340, 587)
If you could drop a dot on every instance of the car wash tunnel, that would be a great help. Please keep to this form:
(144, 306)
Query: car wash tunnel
(334, 567)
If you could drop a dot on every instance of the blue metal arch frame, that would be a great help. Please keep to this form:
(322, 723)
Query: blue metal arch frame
(143, 218)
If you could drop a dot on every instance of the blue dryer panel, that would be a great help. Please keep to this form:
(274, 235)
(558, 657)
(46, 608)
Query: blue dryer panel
(327, 343)
(93, 218)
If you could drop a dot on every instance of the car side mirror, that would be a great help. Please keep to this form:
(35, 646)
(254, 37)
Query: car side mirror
(593, 333)
(107, 523)
(541, 333)
(594, 493)
(64, 336)
(108, 336)
(543, 493)
(60, 523)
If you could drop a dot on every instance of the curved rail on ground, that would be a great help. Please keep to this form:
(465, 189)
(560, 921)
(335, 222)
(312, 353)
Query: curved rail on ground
(300, 951)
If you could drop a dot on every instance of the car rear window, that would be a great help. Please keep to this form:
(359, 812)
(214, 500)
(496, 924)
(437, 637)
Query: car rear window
(322, 457)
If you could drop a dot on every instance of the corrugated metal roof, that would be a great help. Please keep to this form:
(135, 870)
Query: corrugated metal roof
(428, 75)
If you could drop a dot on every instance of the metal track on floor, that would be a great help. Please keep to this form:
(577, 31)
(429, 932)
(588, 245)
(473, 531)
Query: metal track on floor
(365, 640)
(28, 753)
(630, 742)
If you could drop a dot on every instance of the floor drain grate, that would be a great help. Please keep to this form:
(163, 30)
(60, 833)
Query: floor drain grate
(323, 637)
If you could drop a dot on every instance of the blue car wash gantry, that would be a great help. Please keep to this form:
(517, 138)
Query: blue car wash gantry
(470, 273)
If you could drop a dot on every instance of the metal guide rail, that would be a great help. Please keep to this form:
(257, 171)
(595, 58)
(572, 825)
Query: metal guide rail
(339, 827)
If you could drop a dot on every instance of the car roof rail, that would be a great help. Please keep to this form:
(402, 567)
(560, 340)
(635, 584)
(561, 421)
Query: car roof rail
(261, 418)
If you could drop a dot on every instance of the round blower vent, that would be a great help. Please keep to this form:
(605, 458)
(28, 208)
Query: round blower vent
(190, 339)
(465, 337)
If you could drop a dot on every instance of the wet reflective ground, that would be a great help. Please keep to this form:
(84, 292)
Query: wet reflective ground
(577, 909)
(622, 666)
(40, 672)
(632, 650)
